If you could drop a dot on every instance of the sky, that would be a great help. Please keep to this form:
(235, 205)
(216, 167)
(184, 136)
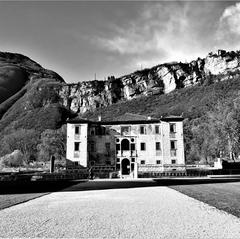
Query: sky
(81, 40)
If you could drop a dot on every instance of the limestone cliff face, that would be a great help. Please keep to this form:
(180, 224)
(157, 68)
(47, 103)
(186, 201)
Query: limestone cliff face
(161, 79)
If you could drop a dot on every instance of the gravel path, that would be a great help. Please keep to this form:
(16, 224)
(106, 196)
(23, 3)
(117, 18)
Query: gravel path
(152, 212)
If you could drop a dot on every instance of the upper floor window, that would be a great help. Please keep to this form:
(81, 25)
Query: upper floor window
(142, 162)
(157, 129)
(92, 131)
(158, 146)
(125, 130)
(173, 161)
(142, 129)
(92, 146)
(76, 146)
(107, 145)
(158, 161)
(172, 128)
(173, 144)
(173, 147)
(77, 129)
(143, 146)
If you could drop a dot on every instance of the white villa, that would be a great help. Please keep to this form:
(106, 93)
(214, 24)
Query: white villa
(131, 145)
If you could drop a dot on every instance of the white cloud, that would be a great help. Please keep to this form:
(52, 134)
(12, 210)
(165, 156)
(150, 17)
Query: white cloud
(228, 33)
(162, 32)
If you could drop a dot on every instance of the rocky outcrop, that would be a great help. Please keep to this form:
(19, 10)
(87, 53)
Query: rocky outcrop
(161, 79)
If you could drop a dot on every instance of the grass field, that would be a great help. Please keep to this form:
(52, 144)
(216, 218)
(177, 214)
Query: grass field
(224, 196)
(12, 193)
(8, 200)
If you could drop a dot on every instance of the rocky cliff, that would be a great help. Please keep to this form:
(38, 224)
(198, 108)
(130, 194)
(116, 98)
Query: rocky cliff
(160, 79)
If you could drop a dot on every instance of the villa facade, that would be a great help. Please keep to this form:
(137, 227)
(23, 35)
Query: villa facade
(130, 145)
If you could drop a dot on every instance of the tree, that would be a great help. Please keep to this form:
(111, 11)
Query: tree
(53, 142)
(225, 122)
(25, 140)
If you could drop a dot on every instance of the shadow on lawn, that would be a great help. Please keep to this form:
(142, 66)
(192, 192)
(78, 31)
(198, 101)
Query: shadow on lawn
(84, 185)
(23, 187)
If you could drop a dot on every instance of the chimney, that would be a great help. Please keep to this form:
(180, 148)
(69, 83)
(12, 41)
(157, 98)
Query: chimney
(99, 118)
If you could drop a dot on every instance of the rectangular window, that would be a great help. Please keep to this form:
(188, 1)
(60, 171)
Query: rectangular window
(107, 145)
(143, 146)
(125, 130)
(142, 129)
(173, 161)
(76, 146)
(173, 144)
(142, 161)
(92, 146)
(118, 166)
(133, 160)
(158, 161)
(132, 166)
(77, 129)
(132, 146)
(92, 131)
(158, 146)
(118, 160)
(157, 129)
(117, 147)
(172, 128)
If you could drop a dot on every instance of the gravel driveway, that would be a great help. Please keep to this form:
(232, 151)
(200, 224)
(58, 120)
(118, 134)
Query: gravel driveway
(151, 212)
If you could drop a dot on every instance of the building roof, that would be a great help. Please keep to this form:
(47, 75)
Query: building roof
(78, 120)
(127, 118)
(172, 118)
(133, 117)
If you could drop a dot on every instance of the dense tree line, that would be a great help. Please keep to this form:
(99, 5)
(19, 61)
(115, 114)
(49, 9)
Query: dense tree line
(216, 134)
(32, 146)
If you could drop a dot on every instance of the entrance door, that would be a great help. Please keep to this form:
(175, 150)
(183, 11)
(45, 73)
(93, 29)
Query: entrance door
(125, 167)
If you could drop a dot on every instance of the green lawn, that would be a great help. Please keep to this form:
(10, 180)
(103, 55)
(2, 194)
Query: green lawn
(224, 196)
(8, 200)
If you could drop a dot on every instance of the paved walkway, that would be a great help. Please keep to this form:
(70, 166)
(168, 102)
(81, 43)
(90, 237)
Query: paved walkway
(151, 212)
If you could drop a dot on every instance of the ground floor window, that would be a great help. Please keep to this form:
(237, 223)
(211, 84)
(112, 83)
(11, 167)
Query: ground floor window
(117, 166)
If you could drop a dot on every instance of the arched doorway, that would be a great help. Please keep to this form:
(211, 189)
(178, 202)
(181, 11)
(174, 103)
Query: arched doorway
(125, 145)
(125, 167)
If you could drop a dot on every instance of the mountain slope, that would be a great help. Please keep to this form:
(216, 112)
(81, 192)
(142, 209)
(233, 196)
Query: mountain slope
(28, 95)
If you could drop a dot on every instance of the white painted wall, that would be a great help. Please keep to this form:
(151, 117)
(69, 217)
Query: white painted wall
(150, 155)
(81, 156)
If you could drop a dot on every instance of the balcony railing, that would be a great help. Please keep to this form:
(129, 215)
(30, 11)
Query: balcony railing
(77, 136)
(76, 154)
(172, 135)
(126, 153)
